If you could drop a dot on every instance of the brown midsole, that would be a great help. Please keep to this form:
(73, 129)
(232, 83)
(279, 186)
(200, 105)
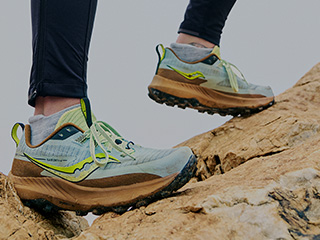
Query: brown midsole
(207, 96)
(71, 196)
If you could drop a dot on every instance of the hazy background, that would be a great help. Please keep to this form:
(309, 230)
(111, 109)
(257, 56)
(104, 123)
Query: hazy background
(273, 42)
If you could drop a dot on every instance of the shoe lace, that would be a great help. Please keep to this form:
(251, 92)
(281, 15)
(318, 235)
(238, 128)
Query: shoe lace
(103, 135)
(231, 75)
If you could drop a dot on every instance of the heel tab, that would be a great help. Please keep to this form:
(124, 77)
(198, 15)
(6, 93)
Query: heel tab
(86, 110)
(14, 132)
(216, 51)
(160, 56)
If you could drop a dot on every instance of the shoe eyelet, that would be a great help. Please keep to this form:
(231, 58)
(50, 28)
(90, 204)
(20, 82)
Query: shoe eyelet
(128, 145)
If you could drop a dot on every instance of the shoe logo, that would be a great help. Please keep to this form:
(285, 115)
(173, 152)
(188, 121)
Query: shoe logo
(68, 173)
(190, 76)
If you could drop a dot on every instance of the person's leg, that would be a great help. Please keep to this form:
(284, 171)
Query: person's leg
(61, 32)
(201, 28)
(204, 21)
(192, 74)
(82, 164)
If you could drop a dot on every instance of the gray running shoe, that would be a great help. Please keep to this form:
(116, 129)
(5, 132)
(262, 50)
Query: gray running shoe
(85, 165)
(209, 85)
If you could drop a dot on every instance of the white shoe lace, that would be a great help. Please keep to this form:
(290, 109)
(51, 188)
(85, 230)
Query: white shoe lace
(231, 75)
(103, 135)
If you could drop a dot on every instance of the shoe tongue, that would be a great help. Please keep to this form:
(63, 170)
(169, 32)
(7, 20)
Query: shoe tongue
(216, 51)
(80, 116)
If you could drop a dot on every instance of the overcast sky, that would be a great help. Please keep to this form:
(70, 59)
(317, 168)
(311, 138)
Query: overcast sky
(273, 42)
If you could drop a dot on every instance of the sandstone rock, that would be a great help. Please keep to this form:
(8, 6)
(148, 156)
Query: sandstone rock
(261, 180)
(294, 118)
(273, 197)
(20, 222)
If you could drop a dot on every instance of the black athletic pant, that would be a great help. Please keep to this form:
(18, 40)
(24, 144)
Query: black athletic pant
(61, 31)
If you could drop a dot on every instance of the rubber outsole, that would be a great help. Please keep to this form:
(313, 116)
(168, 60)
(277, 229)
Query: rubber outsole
(181, 179)
(170, 100)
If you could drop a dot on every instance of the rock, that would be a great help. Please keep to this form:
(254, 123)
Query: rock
(259, 179)
(273, 197)
(293, 119)
(20, 222)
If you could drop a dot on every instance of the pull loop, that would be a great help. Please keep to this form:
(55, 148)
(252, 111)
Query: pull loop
(14, 132)
(160, 56)
(86, 110)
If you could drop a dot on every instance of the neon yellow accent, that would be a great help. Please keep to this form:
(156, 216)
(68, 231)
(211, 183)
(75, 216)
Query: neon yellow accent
(14, 133)
(163, 52)
(83, 108)
(74, 116)
(62, 171)
(216, 51)
(190, 76)
(71, 178)
(70, 169)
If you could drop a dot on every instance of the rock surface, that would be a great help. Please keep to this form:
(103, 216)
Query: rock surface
(20, 222)
(261, 180)
(292, 120)
(258, 178)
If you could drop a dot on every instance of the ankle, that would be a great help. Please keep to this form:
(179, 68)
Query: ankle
(50, 104)
(195, 41)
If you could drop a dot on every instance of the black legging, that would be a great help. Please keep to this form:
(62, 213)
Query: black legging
(206, 19)
(62, 29)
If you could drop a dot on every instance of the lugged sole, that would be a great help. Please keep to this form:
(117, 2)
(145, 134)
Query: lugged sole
(185, 95)
(51, 194)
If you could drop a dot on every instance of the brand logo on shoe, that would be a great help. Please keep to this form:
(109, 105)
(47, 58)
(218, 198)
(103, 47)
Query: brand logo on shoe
(190, 76)
(69, 173)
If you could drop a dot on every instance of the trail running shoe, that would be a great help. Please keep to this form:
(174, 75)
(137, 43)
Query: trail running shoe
(208, 85)
(85, 165)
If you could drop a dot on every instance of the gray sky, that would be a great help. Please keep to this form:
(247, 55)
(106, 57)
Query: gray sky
(273, 42)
